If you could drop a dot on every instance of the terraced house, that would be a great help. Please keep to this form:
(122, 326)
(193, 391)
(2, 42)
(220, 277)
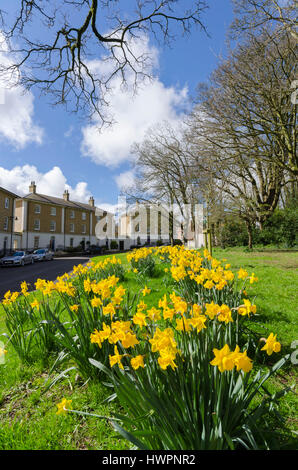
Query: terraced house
(57, 223)
(7, 216)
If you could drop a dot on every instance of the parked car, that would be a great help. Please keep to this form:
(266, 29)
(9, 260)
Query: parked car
(19, 258)
(42, 254)
(93, 250)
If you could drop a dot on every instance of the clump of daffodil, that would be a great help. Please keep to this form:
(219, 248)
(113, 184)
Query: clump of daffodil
(35, 304)
(116, 358)
(24, 288)
(139, 319)
(10, 298)
(271, 345)
(2, 351)
(163, 342)
(247, 308)
(74, 307)
(137, 361)
(64, 406)
(226, 360)
(96, 302)
(146, 291)
(118, 331)
(253, 278)
(242, 274)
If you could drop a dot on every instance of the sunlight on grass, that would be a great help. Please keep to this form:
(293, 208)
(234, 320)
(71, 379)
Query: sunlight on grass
(28, 409)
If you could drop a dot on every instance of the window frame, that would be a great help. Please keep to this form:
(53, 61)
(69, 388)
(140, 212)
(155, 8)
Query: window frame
(35, 227)
(52, 222)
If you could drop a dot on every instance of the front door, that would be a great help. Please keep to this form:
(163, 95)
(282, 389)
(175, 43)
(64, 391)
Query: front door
(52, 244)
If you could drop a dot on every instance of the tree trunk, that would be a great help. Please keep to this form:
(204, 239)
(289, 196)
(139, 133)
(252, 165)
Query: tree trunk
(171, 228)
(249, 232)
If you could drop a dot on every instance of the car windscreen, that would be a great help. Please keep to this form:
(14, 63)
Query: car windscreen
(19, 253)
(39, 252)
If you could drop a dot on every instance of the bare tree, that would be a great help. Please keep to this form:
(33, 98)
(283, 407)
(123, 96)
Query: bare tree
(247, 124)
(84, 44)
(252, 15)
(164, 172)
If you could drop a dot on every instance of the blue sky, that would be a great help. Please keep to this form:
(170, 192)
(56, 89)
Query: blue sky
(59, 149)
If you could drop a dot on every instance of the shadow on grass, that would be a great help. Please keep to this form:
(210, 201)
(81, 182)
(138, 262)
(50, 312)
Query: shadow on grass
(270, 316)
(159, 272)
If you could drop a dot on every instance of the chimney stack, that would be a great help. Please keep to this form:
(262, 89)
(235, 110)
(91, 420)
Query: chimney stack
(66, 195)
(91, 201)
(32, 187)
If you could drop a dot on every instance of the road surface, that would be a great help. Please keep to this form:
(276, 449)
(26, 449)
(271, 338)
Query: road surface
(11, 277)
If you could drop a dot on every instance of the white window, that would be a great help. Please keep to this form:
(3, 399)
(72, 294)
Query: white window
(36, 224)
(84, 228)
(71, 242)
(6, 203)
(72, 227)
(52, 226)
(37, 209)
(5, 226)
(83, 215)
(53, 210)
(72, 214)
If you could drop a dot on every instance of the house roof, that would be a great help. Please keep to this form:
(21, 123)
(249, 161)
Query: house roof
(9, 192)
(59, 201)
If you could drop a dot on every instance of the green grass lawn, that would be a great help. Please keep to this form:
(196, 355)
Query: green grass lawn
(28, 417)
(276, 292)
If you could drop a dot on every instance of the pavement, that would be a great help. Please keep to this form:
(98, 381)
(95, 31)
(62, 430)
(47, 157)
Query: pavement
(12, 276)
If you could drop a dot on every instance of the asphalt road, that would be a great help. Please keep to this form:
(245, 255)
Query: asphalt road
(12, 276)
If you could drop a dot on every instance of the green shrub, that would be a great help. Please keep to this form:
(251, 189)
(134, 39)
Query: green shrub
(280, 229)
(233, 233)
(145, 266)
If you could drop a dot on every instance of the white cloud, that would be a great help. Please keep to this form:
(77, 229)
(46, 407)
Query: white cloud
(106, 206)
(69, 132)
(51, 183)
(125, 179)
(133, 113)
(16, 109)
